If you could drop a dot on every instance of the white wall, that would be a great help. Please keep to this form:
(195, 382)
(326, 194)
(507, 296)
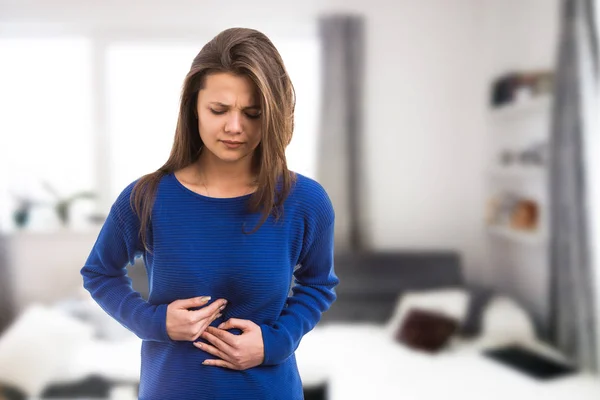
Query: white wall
(424, 99)
(425, 102)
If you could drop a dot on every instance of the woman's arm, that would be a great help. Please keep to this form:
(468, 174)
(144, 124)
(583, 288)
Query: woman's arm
(105, 276)
(313, 294)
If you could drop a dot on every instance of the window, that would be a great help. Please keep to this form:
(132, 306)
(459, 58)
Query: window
(46, 127)
(144, 85)
(302, 61)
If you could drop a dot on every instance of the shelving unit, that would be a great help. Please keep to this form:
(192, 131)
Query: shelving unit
(519, 257)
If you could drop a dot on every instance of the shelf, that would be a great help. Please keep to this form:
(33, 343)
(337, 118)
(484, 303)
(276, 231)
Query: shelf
(518, 173)
(526, 238)
(522, 108)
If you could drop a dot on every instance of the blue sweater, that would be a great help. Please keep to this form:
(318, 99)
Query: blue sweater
(199, 249)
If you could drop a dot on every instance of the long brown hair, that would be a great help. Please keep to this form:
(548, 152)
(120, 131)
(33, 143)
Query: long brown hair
(244, 52)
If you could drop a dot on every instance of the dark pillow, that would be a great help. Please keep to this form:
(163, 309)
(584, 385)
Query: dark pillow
(426, 330)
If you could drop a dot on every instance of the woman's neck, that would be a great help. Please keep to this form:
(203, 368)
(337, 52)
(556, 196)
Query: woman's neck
(224, 176)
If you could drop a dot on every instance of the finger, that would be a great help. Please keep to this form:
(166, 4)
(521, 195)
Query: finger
(206, 312)
(227, 337)
(201, 326)
(223, 345)
(213, 350)
(220, 363)
(193, 302)
(242, 324)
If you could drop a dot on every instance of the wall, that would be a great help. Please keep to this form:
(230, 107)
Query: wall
(425, 102)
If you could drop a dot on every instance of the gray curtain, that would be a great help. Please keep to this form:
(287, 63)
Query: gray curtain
(339, 158)
(572, 288)
(6, 309)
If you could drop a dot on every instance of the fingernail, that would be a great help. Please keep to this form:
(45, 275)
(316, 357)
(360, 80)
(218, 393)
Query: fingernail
(221, 326)
(222, 307)
(205, 298)
(219, 316)
(199, 344)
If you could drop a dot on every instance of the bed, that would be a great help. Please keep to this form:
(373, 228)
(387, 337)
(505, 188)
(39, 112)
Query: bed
(355, 353)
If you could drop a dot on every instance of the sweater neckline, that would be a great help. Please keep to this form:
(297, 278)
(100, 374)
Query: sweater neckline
(208, 198)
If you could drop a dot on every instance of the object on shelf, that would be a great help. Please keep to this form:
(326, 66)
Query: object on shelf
(525, 215)
(519, 86)
(507, 158)
(22, 213)
(535, 154)
(500, 208)
(63, 204)
(512, 211)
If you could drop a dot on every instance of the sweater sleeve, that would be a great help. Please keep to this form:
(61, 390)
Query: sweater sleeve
(105, 276)
(312, 294)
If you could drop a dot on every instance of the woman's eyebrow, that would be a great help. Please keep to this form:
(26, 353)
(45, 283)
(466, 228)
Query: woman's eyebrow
(218, 103)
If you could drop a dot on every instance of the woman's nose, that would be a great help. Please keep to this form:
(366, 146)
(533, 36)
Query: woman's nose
(234, 123)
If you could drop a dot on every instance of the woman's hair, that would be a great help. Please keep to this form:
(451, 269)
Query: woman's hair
(244, 52)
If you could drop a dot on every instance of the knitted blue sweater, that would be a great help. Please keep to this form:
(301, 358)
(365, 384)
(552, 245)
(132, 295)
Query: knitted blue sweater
(199, 249)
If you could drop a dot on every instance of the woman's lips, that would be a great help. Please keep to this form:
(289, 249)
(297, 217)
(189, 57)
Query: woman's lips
(231, 144)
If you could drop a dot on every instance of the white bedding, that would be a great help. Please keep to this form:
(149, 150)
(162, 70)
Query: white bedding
(363, 362)
(356, 362)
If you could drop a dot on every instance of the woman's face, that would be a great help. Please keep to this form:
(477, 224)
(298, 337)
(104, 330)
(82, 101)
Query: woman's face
(229, 117)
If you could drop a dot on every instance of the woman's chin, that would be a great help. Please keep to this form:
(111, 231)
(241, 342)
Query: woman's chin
(230, 156)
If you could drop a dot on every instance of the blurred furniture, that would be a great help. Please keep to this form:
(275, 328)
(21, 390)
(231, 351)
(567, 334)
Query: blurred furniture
(370, 282)
(37, 258)
(518, 225)
(355, 353)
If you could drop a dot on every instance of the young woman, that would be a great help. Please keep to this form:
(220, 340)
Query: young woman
(223, 227)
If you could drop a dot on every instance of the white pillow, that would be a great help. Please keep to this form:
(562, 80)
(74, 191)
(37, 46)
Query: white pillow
(452, 302)
(37, 346)
(505, 322)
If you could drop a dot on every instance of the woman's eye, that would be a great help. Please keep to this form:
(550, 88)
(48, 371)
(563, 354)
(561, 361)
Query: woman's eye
(217, 112)
(254, 116)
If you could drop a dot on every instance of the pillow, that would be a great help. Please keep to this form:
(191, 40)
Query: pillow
(452, 302)
(37, 346)
(426, 330)
(504, 322)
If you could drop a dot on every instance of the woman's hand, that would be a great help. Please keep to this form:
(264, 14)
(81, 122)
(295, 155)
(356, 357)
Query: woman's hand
(237, 352)
(185, 324)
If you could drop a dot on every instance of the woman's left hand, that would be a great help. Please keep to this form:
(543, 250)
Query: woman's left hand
(237, 352)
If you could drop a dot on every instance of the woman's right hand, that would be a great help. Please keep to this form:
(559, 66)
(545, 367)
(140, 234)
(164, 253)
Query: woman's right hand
(187, 325)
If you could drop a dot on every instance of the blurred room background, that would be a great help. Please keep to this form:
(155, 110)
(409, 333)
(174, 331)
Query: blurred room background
(456, 139)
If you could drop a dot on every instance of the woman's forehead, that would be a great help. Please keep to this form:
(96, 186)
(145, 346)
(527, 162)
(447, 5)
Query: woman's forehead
(226, 88)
